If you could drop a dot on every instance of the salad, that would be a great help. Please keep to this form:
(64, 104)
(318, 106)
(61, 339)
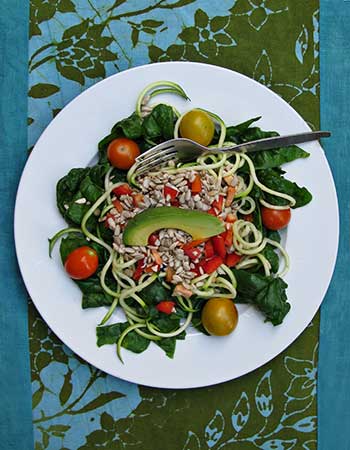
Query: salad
(182, 245)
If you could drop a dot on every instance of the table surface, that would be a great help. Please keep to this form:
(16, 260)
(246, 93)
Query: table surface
(334, 357)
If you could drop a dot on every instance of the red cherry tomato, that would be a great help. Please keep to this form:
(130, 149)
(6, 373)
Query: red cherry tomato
(166, 307)
(122, 153)
(81, 263)
(275, 219)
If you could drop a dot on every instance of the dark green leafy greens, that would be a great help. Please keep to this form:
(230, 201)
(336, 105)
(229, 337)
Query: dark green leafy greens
(267, 293)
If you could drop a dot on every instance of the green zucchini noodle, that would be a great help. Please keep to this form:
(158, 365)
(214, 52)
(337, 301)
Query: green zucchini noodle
(241, 208)
(284, 254)
(264, 188)
(174, 333)
(247, 239)
(265, 263)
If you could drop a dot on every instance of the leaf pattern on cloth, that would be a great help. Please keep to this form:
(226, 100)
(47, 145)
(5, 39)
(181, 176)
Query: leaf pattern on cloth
(75, 43)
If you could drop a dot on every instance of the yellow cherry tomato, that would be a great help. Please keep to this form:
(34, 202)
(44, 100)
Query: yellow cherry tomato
(198, 126)
(219, 316)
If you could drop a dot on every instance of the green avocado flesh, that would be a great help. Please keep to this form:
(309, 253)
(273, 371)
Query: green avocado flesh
(199, 225)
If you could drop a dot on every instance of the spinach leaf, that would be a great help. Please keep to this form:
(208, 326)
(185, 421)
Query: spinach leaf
(95, 300)
(267, 293)
(274, 158)
(169, 344)
(271, 255)
(274, 180)
(131, 127)
(80, 183)
(160, 123)
(155, 293)
(67, 187)
(235, 132)
(109, 334)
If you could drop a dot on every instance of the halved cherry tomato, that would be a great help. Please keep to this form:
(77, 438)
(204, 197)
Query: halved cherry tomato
(192, 253)
(123, 189)
(122, 153)
(153, 239)
(118, 206)
(198, 126)
(139, 269)
(275, 219)
(196, 185)
(212, 264)
(81, 263)
(171, 192)
(232, 259)
(218, 204)
(219, 246)
(166, 307)
(209, 249)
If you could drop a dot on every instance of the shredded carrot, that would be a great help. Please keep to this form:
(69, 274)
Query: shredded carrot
(157, 257)
(231, 192)
(169, 273)
(196, 185)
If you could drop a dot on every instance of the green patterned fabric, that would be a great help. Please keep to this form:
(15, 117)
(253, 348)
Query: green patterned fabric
(75, 43)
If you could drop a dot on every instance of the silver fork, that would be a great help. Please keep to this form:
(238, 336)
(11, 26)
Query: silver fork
(183, 150)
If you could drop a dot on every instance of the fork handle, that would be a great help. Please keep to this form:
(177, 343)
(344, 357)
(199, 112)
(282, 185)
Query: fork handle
(275, 142)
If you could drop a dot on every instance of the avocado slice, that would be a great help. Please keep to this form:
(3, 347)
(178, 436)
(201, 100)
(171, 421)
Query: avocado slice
(199, 225)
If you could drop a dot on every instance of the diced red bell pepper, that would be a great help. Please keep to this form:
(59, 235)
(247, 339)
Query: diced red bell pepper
(118, 206)
(171, 192)
(175, 202)
(218, 204)
(108, 216)
(196, 185)
(194, 243)
(210, 265)
(153, 239)
(219, 246)
(166, 307)
(137, 199)
(231, 218)
(229, 236)
(149, 269)
(192, 253)
(248, 217)
(123, 189)
(233, 259)
(209, 249)
(139, 269)
(212, 212)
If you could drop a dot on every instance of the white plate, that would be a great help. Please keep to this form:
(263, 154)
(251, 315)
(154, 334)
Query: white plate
(71, 141)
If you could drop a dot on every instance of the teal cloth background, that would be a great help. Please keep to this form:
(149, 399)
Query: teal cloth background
(16, 430)
(334, 392)
(334, 355)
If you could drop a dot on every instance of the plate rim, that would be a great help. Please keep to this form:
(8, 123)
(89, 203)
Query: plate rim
(331, 266)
